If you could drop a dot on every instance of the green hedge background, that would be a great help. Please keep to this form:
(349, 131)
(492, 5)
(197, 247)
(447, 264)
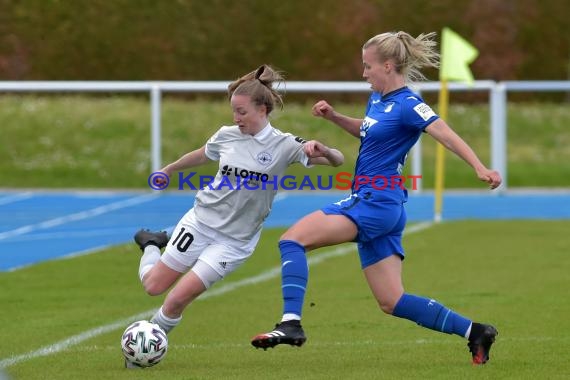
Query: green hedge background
(308, 39)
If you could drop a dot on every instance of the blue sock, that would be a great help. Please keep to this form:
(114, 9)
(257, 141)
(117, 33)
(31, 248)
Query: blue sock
(294, 276)
(431, 314)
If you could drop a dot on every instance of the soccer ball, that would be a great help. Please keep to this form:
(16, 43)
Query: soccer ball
(144, 344)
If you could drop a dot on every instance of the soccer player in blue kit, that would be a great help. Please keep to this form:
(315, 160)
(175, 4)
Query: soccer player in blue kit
(373, 215)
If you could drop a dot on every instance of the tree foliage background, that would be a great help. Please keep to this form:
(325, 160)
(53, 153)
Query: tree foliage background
(307, 39)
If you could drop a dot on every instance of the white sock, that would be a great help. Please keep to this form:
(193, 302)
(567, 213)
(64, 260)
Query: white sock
(468, 331)
(150, 257)
(166, 323)
(290, 317)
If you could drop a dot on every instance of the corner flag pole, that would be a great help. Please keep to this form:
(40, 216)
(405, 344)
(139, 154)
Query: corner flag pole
(456, 55)
(443, 101)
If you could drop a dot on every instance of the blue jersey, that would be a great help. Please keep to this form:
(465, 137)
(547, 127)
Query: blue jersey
(392, 125)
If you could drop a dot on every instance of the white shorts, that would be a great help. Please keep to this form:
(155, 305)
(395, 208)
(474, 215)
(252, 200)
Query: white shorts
(192, 241)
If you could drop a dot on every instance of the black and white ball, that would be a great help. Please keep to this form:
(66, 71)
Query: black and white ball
(144, 344)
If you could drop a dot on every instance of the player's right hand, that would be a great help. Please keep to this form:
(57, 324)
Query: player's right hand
(322, 109)
(160, 180)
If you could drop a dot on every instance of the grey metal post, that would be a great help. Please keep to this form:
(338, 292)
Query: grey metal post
(155, 143)
(417, 160)
(416, 166)
(498, 111)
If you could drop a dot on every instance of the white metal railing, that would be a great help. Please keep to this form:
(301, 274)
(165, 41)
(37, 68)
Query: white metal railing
(497, 103)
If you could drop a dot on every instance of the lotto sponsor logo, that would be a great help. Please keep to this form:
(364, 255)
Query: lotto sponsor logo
(244, 173)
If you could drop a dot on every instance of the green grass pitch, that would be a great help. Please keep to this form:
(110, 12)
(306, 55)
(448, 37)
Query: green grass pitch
(513, 274)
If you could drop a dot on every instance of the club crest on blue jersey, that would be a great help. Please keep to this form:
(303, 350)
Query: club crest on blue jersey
(388, 107)
(264, 158)
(366, 124)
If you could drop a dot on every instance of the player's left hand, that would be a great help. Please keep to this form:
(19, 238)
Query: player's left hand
(492, 177)
(315, 149)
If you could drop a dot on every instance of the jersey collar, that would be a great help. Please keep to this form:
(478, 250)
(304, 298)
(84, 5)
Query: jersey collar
(392, 93)
(264, 133)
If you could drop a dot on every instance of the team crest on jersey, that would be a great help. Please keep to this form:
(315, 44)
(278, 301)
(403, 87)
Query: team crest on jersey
(264, 158)
(388, 107)
(366, 124)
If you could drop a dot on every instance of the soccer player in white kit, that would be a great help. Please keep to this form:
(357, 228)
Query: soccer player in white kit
(221, 231)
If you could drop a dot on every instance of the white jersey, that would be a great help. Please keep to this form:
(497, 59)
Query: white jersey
(239, 199)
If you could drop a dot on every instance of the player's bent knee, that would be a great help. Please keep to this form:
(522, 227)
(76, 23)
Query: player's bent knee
(298, 238)
(153, 291)
(290, 235)
(153, 288)
(386, 309)
(387, 306)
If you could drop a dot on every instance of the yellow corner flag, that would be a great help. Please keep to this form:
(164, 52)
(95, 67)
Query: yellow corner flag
(456, 55)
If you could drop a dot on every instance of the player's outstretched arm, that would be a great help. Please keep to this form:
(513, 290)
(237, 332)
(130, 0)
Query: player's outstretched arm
(440, 131)
(189, 160)
(320, 154)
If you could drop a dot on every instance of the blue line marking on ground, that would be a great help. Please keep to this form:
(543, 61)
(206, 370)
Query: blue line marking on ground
(38, 226)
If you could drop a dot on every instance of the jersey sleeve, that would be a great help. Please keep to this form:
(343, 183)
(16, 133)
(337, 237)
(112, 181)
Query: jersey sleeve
(297, 152)
(214, 144)
(416, 114)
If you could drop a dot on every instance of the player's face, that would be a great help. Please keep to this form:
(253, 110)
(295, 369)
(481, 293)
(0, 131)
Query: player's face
(374, 72)
(249, 117)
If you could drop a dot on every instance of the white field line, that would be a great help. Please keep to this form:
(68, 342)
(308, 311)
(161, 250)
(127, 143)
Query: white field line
(65, 257)
(78, 216)
(83, 233)
(280, 197)
(71, 255)
(352, 343)
(95, 232)
(272, 273)
(15, 198)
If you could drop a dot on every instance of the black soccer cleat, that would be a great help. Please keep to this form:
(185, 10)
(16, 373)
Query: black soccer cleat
(144, 238)
(480, 343)
(288, 332)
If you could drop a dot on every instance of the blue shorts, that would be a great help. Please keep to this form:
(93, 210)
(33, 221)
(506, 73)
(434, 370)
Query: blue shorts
(380, 225)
